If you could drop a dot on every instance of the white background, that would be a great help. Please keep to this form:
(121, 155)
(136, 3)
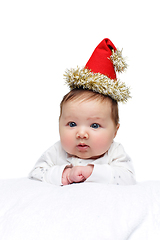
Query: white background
(39, 39)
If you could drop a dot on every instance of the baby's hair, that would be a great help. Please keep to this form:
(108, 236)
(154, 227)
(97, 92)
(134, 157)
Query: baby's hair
(87, 95)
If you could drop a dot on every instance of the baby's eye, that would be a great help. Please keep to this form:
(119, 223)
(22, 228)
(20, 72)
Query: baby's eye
(95, 125)
(72, 124)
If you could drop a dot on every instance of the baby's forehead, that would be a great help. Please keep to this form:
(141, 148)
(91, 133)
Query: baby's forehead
(75, 100)
(88, 100)
(88, 96)
(87, 107)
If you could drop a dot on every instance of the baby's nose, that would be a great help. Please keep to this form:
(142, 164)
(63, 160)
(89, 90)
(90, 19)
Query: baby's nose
(82, 134)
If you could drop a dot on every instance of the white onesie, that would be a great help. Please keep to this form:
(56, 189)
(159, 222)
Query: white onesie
(115, 167)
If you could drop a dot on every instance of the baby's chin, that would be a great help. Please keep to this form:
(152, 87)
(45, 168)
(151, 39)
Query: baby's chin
(82, 156)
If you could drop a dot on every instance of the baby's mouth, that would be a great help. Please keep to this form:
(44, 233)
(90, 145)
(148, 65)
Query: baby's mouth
(82, 147)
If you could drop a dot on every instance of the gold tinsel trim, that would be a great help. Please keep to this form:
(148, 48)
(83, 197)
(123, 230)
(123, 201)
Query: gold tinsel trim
(77, 78)
(118, 61)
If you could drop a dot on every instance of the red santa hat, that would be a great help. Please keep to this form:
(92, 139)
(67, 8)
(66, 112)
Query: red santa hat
(99, 74)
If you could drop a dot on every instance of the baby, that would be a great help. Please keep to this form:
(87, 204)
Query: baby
(88, 124)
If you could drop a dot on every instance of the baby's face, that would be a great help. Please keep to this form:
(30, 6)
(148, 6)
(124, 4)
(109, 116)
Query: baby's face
(86, 128)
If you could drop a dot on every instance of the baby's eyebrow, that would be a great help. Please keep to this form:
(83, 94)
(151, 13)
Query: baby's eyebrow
(94, 118)
(70, 117)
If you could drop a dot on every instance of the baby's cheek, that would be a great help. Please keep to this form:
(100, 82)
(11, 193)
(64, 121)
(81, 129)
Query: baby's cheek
(102, 144)
(66, 142)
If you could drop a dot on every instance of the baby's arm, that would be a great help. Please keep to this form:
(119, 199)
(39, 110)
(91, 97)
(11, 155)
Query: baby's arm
(76, 174)
(50, 166)
(117, 169)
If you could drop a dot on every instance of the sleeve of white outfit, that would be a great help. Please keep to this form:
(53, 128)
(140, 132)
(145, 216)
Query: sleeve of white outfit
(47, 169)
(118, 169)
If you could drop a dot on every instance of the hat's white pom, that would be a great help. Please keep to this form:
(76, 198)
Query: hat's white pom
(118, 61)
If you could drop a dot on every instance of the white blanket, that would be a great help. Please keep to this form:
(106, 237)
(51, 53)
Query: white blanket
(32, 210)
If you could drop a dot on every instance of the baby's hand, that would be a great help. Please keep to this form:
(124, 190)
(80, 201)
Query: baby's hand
(87, 171)
(76, 174)
(65, 176)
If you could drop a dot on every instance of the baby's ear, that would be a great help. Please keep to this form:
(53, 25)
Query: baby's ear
(117, 127)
